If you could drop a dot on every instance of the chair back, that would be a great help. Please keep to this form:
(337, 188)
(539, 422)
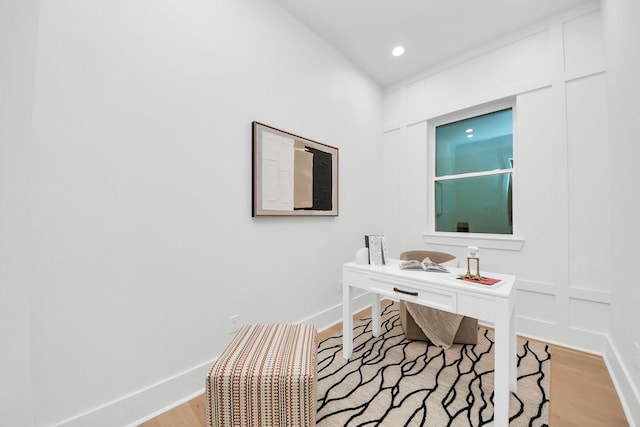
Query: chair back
(435, 256)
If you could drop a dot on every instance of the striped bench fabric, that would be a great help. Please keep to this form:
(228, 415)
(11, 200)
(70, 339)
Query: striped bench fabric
(267, 376)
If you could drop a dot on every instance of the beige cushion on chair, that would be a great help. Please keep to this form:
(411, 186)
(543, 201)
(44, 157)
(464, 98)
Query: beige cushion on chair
(437, 257)
(467, 332)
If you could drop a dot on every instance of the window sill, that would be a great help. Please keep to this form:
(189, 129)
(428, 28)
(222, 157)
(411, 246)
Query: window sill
(493, 241)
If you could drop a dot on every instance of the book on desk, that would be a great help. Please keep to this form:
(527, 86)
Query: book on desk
(425, 265)
(378, 252)
(487, 281)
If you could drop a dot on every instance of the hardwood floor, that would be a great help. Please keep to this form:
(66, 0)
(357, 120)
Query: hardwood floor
(582, 393)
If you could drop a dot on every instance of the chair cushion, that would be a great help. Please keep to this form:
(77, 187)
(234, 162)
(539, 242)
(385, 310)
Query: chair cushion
(467, 332)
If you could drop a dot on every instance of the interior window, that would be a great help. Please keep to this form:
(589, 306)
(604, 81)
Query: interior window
(473, 174)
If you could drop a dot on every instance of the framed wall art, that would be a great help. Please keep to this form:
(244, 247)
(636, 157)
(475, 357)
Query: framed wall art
(292, 175)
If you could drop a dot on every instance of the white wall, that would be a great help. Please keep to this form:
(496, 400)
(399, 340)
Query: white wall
(570, 207)
(18, 26)
(623, 68)
(126, 237)
(556, 73)
(141, 192)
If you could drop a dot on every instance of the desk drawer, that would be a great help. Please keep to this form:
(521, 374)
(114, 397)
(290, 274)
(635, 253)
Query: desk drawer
(420, 295)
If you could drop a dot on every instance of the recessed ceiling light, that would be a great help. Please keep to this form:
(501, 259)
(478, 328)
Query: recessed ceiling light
(469, 130)
(397, 51)
(470, 135)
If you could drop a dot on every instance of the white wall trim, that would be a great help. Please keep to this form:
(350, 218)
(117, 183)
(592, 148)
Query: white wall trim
(560, 344)
(393, 128)
(592, 295)
(137, 405)
(533, 319)
(167, 408)
(189, 382)
(129, 406)
(498, 44)
(327, 318)
(509, 243)
(149, 402)
(469, 56)
(536, 286)
(627, 391)
(575, 76)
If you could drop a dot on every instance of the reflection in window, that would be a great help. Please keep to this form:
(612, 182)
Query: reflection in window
(473, 174)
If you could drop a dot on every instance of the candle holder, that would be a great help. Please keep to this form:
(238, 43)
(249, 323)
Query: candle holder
(472, 255)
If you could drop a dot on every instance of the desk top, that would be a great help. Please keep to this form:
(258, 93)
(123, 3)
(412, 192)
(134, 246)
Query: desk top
(503, 288)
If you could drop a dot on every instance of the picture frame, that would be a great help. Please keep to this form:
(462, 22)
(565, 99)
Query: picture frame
(292, 175)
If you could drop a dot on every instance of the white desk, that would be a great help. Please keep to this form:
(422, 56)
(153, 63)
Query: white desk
(495, 304)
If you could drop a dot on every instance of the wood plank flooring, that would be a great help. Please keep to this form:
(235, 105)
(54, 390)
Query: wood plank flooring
(582, 393)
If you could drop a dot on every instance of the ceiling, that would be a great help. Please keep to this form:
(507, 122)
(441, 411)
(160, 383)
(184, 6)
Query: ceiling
(431, 31)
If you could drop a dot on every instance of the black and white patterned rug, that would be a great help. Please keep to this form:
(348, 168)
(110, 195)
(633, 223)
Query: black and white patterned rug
(391, 381)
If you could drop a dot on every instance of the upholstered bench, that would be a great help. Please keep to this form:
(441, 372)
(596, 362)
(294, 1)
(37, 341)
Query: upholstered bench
(266, 376)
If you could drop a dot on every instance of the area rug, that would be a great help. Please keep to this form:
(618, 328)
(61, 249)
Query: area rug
(391, 381)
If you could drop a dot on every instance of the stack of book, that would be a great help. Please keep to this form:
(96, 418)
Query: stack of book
(378, 253)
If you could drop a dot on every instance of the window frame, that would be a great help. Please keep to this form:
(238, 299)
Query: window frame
(511, 241)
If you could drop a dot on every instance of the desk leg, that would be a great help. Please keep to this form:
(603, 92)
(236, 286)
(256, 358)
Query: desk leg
(513, 352)
(375, 313)
(505, 375)
(347, 321)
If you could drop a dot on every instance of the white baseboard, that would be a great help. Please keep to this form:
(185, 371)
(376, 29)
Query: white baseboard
(333, 315)
(166, 408)
(627, 390)
(600, 344)
(149, 402)
(145, 403)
